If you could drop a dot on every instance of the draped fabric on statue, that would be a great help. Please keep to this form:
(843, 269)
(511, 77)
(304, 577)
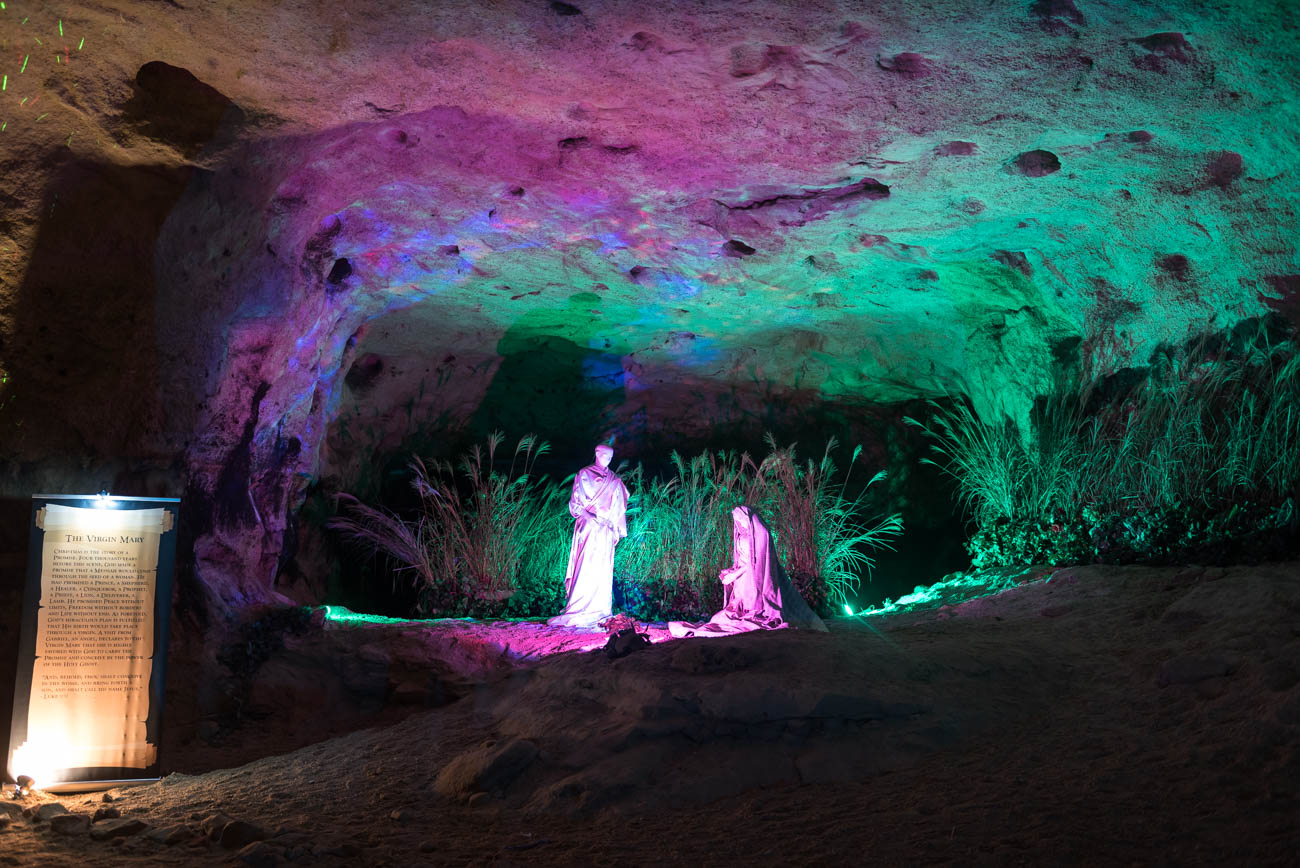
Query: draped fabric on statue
(756, 592)
(598, 506)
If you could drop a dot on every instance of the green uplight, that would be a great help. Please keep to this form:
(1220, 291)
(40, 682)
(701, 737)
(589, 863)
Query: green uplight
(343, 615)
(848, 610)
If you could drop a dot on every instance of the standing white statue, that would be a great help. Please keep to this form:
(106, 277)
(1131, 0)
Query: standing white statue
(599, 509)
(756, 592)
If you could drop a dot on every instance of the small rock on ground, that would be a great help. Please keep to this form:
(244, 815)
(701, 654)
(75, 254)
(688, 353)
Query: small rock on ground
(238, 834)
(70, 824)
(260, 854)
(119, 828)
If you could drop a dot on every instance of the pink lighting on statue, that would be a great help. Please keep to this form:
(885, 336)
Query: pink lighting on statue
(599, 509)
(756, 592)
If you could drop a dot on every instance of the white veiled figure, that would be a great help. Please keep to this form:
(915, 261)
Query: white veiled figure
(756, 592)
(599, 509)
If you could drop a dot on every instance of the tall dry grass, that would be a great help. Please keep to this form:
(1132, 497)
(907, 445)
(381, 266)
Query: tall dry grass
(1207, 428)
(480, 534)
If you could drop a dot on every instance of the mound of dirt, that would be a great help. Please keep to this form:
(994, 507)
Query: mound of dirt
(1096, 714)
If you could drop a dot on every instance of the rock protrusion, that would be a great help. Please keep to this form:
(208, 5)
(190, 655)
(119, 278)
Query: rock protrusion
(1160, 49)
(1056, 11)
(737, 249)
(238, 834)
(1224, 167)
(1014, 259)
(69, 824)
(489, 768)
(1175, 265)
(1035, 164)
(907, 64)
(48, 811)
(171, 105)
(955, 149)
(1191, 668)
(123, 827)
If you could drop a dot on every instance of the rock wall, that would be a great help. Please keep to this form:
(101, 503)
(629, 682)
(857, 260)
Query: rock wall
(248, 248)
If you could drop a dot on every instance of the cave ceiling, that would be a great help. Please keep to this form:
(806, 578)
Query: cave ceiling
(235, 226)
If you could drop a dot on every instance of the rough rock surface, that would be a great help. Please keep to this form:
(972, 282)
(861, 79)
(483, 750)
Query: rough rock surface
(246, 247)
(1030, 726)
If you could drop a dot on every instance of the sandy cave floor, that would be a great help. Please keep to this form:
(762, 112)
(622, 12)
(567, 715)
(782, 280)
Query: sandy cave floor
(1096, 715)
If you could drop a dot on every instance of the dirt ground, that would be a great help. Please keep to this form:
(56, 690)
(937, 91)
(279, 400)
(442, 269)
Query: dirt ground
(1097, 715)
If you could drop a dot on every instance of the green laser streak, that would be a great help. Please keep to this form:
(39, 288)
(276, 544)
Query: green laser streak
(3, 125)
(5, 86)
(81, 43)
(41, 116)
(38, 40)
(24, 69)
(60, 26)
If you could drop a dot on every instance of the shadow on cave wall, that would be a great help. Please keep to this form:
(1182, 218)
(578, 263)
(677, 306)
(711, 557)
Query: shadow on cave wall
(82, 354)
(548, 385)
(80, 406)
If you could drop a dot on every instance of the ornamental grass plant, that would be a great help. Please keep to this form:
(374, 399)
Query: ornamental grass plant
(480, 535)
(679, 534)
(1196, 458)
(822, 533)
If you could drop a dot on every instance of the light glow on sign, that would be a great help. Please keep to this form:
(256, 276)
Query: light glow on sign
(39, 760)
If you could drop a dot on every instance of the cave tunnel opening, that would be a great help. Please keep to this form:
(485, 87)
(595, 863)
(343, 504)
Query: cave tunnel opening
(414, 388)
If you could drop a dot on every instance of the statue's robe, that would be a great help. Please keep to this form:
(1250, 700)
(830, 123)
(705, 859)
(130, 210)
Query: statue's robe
(599, 509)
(757, 594)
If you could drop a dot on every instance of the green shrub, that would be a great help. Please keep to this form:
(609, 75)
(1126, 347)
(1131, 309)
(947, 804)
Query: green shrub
(1197, 460)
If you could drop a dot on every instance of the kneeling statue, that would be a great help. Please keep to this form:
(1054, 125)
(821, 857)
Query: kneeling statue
(756, 592)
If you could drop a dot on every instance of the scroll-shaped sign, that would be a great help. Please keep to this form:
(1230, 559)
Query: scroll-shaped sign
(92, 653)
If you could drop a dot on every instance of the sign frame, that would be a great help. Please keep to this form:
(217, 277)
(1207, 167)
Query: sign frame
(85, 779)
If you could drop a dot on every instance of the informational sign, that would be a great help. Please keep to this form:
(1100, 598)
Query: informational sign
(89, 689)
